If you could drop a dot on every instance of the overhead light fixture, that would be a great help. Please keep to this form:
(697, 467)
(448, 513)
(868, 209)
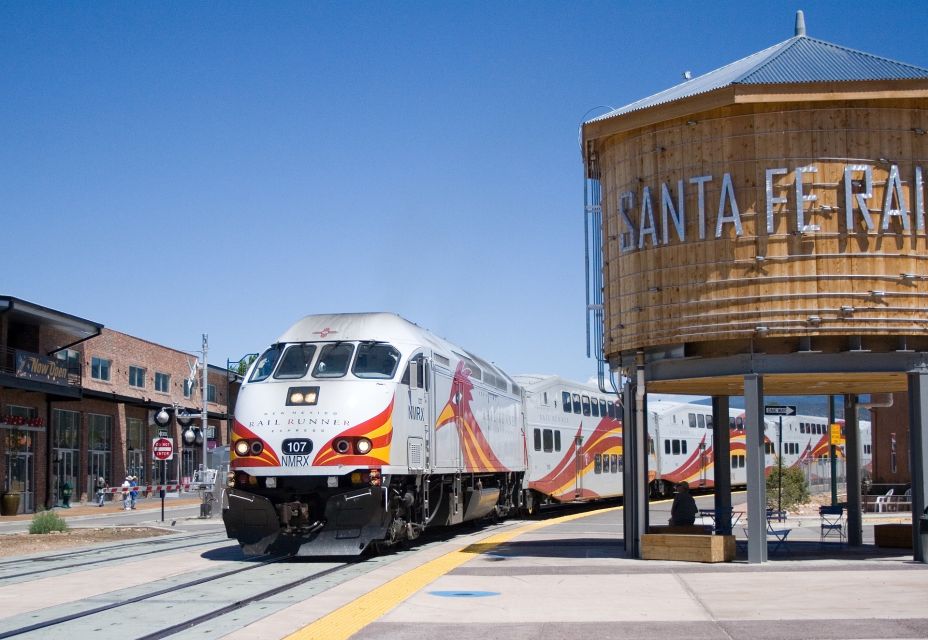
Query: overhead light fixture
(809, 228)
(814, 320)
(762, 329)
(876, 293)
(654, 289)
(846, 309)
(907, 276)
(691, 122)
(760, 259)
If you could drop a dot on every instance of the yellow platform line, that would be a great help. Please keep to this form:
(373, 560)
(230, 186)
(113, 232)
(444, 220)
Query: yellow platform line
(345, 621)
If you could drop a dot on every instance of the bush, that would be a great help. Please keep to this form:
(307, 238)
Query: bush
(795, 489)
(46, 522)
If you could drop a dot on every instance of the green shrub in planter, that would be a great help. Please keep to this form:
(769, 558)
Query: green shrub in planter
(46, 522)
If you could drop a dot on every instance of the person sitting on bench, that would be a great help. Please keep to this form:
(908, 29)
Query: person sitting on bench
(683, 511)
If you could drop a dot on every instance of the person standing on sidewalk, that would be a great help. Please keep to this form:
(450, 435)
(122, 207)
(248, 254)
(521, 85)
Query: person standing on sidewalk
(101, 491)
(126, 493)
(133, 490)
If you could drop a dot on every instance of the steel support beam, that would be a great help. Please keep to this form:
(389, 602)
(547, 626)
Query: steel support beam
(757, 487)
(855, 532)
(918, 454)
(721, 458)
(631, 474)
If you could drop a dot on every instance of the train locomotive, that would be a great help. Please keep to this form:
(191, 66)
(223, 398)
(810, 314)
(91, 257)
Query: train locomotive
(361, 430)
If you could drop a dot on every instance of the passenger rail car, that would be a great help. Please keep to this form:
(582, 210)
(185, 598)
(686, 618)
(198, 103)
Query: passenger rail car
(680, 445)
(355, 430)
(574, 440)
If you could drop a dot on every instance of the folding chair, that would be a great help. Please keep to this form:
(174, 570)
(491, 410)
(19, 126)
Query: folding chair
(779, 536)
(832, 523)
(882, 502)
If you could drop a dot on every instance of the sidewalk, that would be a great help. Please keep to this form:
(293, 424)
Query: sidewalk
(112, 507)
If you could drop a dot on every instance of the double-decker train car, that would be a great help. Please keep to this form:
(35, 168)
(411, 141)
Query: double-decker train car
(681, 445)
(354, 430)
(574, 440)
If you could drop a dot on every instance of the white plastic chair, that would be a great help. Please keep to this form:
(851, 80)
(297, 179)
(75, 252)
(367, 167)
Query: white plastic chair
(882, 502)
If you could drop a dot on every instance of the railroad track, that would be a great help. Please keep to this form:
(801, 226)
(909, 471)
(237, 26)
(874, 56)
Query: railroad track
(127, 550)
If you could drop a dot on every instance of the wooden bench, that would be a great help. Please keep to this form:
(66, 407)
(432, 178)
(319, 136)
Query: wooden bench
(897, 536)
(687, 529)
(687, 547)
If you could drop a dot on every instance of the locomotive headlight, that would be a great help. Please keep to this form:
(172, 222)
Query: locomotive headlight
(256, 447)
(363, 446)
(241, 448)
(341, 445)
(270, 482)
(302, 396)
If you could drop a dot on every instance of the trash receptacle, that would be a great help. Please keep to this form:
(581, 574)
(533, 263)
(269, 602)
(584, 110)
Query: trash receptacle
(9, 504)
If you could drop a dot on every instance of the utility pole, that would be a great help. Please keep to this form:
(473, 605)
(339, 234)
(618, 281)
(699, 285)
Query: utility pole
(205, 413)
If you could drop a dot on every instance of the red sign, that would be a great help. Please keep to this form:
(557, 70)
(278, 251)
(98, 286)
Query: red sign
(162, 449)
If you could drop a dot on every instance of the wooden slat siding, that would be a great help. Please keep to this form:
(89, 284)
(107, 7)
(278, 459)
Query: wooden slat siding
(696, 277)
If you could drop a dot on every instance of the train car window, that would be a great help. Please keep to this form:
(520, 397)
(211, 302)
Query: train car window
(602, 408)
(610, 406)
(614, 460)
(545, 397)
(731, 424)
(667, 446)
(586, 405)
(802, 427)
(565, 400)
(537, 439)
(675, 446)
(333, 360)
(734, 462)
(557, 440)
(548, 440)
(739, 423)
(265, 365)
(576, 403)
(598, 463)
(692, 418)
(683, 446)
(651, 446)
(708, 421)
(440, 359)
(295, 361)
(701, 420)
(621, 463)
(376, 360)
(594, 407)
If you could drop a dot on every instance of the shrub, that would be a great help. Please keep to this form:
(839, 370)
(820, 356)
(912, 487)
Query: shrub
(47, 521)
(795, 489)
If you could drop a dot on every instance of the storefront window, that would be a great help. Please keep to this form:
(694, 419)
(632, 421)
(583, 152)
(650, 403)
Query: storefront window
(20, 460)
(100, 454)
(66, 428)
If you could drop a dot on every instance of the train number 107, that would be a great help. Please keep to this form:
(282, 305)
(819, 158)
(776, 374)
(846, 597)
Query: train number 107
(297, 446)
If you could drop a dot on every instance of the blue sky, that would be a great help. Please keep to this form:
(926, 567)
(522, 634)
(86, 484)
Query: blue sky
(172, 169)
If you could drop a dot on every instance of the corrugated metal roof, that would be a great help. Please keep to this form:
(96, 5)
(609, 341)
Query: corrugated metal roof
(798, 59)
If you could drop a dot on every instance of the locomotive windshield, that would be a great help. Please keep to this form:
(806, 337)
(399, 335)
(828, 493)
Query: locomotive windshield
(295, 362)
(333, 360)
(265, 365)
(376, 360)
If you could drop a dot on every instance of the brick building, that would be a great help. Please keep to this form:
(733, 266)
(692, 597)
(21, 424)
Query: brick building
(77, 402)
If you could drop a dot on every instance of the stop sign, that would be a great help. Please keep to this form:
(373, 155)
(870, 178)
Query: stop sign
(162, 449)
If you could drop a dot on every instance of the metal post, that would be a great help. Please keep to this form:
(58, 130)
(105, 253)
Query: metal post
(630, 475)
(780, 468)
(757, 489)
(855, 532)
(918, 456)
(721, 447)
(831, 452)
(205, 414)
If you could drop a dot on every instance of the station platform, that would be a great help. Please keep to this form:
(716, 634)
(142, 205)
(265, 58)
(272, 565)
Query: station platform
(81, 509)
(568, 577)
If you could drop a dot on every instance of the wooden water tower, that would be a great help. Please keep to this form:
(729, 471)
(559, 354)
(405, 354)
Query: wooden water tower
(763, 228)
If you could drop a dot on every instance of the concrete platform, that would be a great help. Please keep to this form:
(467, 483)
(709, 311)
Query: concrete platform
(569, 578)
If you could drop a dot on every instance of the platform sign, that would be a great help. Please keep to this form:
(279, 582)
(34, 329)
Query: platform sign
(162, 449)
(836, 438)
(779, 410)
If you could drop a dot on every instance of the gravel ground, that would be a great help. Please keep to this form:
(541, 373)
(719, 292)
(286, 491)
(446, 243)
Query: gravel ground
(17, 544)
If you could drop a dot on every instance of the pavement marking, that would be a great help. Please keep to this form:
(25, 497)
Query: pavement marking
(351, 618)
